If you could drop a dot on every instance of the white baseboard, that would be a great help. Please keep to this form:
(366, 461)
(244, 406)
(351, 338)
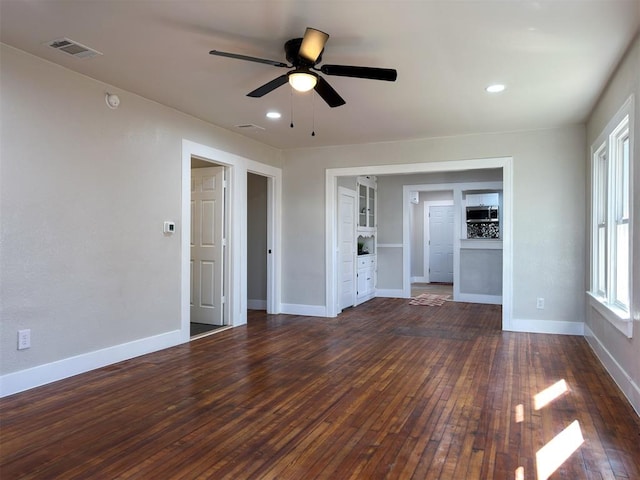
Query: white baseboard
(41, 375)
(419, 279)
(477, 298)
(256, 304)
(629, 388)
(556, 327)
(389, 293)
(306, 310)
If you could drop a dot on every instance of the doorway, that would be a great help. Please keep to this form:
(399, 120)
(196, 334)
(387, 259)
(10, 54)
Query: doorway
(235, 274)
(502, 164)
(208, 255)
(257, 248)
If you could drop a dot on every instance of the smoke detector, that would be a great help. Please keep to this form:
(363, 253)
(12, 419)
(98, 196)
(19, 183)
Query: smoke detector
(73, 48)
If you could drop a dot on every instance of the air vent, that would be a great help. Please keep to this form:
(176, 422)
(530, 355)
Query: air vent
(72, 48)
(249, 126)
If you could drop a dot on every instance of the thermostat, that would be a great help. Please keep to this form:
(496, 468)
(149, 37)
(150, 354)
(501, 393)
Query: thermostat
(169, 227)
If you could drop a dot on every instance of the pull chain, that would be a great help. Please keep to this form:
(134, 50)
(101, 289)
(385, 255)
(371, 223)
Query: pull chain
(313, 114)
(291, 91)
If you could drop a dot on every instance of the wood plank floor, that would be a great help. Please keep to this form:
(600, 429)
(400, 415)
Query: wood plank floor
(386, 390)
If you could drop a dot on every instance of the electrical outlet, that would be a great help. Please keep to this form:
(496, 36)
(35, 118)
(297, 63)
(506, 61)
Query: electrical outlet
(24, 339)
(540, 303)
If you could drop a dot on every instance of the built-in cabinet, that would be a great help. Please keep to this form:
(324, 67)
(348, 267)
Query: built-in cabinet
(366, 230)
(482, 199)
(366, 204)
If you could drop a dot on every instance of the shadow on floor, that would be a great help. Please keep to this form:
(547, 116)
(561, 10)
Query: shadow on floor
(200, 328)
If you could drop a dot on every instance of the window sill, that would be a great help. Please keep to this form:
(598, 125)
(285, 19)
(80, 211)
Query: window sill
(615, 316)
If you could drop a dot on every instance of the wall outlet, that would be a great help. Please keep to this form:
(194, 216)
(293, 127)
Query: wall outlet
(24, 339)
(540, 303)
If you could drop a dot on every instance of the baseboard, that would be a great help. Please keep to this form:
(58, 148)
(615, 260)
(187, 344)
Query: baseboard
(478, 298)
(51, 372)
(389, 293)
(556, 327)
(256, 304)
(629, 388)
(419, 279)
(306, 310)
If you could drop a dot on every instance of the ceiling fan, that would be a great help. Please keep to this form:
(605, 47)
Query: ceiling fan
(304, 54)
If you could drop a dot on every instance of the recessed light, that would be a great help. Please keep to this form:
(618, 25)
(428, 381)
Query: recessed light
(497, 88)
(274, 115)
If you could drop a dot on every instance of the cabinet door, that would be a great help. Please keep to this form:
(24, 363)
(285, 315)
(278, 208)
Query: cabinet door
(371, 220)
(362, 205)
(362, 282)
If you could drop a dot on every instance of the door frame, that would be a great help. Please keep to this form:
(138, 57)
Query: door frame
(331, 184)
(237, 168)
(426, 233)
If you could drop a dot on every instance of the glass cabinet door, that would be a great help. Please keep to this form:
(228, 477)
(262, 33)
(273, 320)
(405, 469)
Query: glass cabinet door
(362, 206)
(372, 208)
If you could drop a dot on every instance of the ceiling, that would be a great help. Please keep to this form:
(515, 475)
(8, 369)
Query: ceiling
(553, 56)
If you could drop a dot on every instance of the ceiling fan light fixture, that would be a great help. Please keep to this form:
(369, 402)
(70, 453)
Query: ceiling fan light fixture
(302, 81)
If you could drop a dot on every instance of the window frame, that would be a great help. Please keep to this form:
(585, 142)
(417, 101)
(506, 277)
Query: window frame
(611, 206)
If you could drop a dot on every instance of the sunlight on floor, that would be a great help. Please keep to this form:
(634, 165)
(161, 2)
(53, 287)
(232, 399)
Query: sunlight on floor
(557, 451)
(548, 395)
(551, 456)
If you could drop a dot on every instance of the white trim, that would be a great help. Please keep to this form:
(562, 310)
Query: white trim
(253, 304)
(305, 310)
(331, 181)
(622, 378)
(51, 372)
(556, 327)
(237, 232)
(419, 280)
(619, 319)
(390, 293)
(479, 298)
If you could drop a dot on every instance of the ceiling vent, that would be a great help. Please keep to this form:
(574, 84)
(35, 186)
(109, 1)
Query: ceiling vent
(250, 126)
(72, 48)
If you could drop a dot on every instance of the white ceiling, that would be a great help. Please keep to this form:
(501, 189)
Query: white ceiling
(554, 57)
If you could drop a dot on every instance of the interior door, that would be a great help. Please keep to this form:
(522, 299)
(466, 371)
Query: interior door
(347, 247)
(207, 237)
(441, 244)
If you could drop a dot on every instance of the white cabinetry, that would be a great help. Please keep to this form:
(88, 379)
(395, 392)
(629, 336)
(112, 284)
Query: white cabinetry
(366, 278)
(366, 203)
(482, 199)
(366, 237)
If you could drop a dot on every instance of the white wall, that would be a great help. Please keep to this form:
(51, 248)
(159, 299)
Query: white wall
(548, 248)
(84, 193)
(619, 354)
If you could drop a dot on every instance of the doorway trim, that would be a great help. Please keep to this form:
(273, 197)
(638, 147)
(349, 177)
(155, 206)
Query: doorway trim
(331, 184)
(237, 168)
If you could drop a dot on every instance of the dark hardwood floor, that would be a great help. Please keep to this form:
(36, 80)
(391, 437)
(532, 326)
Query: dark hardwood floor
(386, 390)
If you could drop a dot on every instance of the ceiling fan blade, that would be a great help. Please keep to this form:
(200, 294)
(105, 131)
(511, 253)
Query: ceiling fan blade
(312, 44)
(328, 94)
(388, 74)
(268, 87)
(250, 59)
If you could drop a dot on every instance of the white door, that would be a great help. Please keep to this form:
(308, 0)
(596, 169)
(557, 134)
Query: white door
(346, 247)
(441, 244)
(207, 220)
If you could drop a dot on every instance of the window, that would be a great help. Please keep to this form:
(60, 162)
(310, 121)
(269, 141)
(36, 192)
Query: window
(610, 221)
